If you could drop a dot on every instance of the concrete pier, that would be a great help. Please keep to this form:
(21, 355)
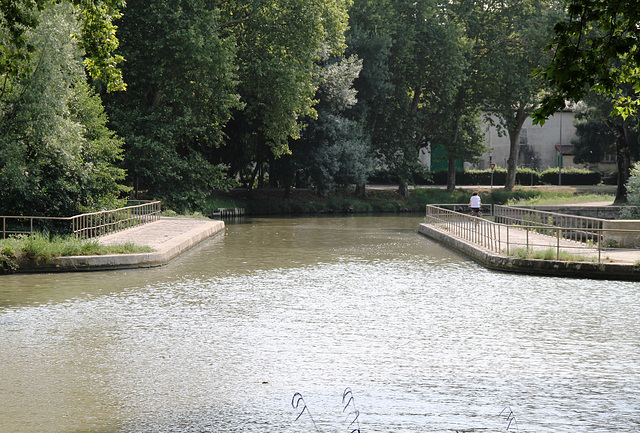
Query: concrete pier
(169, 237)
(616, 265)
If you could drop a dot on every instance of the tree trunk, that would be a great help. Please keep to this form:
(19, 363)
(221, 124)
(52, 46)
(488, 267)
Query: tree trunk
(451, 174)
(403, 189)
(451, 167)
(623, 157)
(361, 191)
(514, 148)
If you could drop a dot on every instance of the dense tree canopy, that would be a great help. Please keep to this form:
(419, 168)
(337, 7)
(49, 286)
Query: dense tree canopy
(181, 81)
(56, 154)
(96, 35)
(279, 44)
(596, 47)
(413, 69)
(510, 54)
(279, 92)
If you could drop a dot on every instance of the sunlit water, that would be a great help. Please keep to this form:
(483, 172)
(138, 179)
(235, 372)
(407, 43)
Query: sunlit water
(221, 339)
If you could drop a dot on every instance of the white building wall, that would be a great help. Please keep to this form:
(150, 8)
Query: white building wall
(536, 141)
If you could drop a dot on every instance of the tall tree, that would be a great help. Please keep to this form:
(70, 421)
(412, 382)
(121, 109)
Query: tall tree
(278, 45)
(96, 34)
(599, 131)
(182, 78)
(596, 49)
(410, 84)
(333, 149)
(514, 50)
(56, 154)
(457, 92)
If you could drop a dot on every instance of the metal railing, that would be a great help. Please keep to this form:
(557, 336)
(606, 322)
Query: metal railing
(232, 212)
(487, 209)
(471, 228)
(577, 228)
(523, 234)
(86, 225)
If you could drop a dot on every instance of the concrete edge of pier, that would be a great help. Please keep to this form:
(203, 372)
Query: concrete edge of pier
(553, 268)
(169, 237)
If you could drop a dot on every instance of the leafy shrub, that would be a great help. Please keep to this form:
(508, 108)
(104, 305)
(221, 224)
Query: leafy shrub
(571, 176)
(500, 196)
(524, 176)
(41, 248)
(633, 194)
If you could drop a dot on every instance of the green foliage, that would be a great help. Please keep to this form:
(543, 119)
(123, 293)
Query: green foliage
(599, 131)
(501, 196)
(41, 248)
(593, 138)
(558, 198)
(633, 194)
(595, 48)
(412, 89)
(95, 31)
(272, 202)
(524, 176)
(56, 154)
(549, 254)
(278, 44)
(333, 149)
(181, 79)
(571, 176)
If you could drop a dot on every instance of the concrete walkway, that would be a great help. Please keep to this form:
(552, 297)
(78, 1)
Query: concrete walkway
(169, 237)
(618, 264)
(510, 239)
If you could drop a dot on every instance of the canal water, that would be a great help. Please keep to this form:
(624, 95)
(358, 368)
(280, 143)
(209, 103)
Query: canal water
(222, 338)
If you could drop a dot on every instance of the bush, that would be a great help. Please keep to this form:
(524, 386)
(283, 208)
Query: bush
(524, 176)
(500, 196)
(40, 248)
(633, 194)
(610, 178)
(383, 177)
(571, 176)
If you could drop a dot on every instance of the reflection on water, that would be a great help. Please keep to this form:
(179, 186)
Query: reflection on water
(221, 339)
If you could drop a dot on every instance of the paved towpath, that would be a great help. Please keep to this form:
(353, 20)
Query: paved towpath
(166, 233)
(487, 244)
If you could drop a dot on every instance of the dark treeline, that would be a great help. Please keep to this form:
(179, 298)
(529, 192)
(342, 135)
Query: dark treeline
(174, 100)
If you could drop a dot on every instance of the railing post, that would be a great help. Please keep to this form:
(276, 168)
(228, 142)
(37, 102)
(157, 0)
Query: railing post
(600, 236)
(507, 239)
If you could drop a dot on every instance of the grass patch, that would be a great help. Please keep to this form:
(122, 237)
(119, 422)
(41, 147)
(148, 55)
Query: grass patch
(559, 198)
(172, 213)
(41, 248)
(549, 254)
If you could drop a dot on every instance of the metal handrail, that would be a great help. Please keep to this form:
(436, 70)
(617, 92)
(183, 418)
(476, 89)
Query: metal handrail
(504, 238)
(93, 224)
(524, 215)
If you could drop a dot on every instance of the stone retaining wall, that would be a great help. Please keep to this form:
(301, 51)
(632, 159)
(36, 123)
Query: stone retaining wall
(616, 236)
(610, 271)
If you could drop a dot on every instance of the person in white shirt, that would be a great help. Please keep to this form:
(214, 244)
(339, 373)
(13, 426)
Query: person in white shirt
(475, 204)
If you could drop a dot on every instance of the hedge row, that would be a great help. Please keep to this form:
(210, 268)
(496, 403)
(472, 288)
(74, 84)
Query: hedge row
(524, 176)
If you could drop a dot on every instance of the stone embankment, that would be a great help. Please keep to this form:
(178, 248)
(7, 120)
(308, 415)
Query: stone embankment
(168, 237)
(618, 265)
